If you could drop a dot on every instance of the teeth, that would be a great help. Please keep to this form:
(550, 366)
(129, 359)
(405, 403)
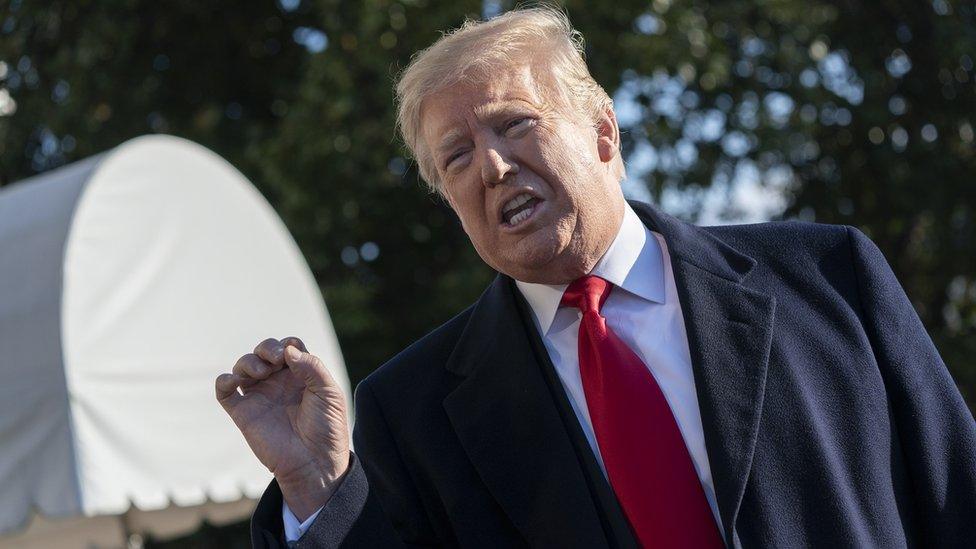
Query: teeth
(516, 202)
(520, 217)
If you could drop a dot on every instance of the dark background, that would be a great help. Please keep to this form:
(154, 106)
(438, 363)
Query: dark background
(852, 112)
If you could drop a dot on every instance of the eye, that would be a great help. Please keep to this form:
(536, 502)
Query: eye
(454, 156)
(516, 122)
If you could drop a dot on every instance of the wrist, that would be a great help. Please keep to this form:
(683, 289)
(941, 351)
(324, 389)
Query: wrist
(308, 489)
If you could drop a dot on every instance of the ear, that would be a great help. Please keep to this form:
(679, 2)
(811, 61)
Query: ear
(608, 136)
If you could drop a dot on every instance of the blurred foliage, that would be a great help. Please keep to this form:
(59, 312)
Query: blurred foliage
(857, 112)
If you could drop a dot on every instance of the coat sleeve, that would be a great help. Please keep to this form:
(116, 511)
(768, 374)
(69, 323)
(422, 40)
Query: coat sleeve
(376, 505)
(936, 429)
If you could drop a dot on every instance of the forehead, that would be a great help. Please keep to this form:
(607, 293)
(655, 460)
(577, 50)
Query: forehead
(454, 106)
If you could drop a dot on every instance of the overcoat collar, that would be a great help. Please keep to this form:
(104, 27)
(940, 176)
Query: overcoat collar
(509, 425)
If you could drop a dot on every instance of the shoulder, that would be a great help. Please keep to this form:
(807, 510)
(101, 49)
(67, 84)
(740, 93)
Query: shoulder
(776, 235)
(814, 260)
(790, 245)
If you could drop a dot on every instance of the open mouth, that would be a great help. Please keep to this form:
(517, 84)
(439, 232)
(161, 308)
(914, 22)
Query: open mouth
(517, 210)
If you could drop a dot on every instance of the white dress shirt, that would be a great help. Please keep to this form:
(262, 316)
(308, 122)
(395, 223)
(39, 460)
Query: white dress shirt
(643, 310)
(293, 528)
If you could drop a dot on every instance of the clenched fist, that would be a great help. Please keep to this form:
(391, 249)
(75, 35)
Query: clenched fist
(293, 416)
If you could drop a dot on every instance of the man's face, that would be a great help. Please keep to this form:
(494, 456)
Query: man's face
(530, 180)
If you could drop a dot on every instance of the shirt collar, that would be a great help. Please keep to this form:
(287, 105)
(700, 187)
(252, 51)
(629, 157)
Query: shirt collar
(633, 262)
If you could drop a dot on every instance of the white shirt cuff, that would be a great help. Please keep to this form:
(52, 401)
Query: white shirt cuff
(294, 529)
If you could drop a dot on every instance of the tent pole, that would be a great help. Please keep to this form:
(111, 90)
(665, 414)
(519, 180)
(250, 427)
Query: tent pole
(132, 539)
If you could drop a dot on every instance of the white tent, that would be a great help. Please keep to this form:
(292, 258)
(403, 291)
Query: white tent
(128, 282)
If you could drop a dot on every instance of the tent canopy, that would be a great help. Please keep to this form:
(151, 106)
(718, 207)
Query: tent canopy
(128, 282)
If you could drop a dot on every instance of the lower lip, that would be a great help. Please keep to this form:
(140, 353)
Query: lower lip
(525, 222)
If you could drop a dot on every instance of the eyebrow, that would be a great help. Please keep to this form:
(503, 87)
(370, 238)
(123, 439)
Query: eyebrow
(449, 139)
(484, 112)
(505, 106)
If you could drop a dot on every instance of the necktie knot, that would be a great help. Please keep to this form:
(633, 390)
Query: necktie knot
(587, 293)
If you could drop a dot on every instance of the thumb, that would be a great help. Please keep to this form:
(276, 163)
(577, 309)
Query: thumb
(308, 368)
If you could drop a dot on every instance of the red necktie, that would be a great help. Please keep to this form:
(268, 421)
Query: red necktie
(645, 456)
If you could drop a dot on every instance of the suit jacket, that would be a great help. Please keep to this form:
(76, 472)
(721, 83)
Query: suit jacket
(829, 417)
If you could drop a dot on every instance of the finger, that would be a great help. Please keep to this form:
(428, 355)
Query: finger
(309, 369)
(226, 387)
(250, 365)
(272, 351)
(297, 342)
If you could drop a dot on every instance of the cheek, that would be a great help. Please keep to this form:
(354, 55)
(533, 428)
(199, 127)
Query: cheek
(570, 169)
(467, 200)
(565, 152)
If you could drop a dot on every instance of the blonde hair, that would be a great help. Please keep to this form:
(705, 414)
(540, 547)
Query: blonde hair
(477, 47)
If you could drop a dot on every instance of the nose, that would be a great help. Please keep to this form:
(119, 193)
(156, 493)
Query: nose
(497, 165)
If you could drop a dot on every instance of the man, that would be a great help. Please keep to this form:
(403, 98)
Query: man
(628, 379)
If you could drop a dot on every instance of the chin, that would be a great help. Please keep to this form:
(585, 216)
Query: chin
(529, 261)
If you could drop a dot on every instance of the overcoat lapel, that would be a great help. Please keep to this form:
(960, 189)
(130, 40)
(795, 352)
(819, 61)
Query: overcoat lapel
(510, 428)
(729, 329)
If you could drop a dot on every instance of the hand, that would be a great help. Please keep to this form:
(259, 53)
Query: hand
(293, 416)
